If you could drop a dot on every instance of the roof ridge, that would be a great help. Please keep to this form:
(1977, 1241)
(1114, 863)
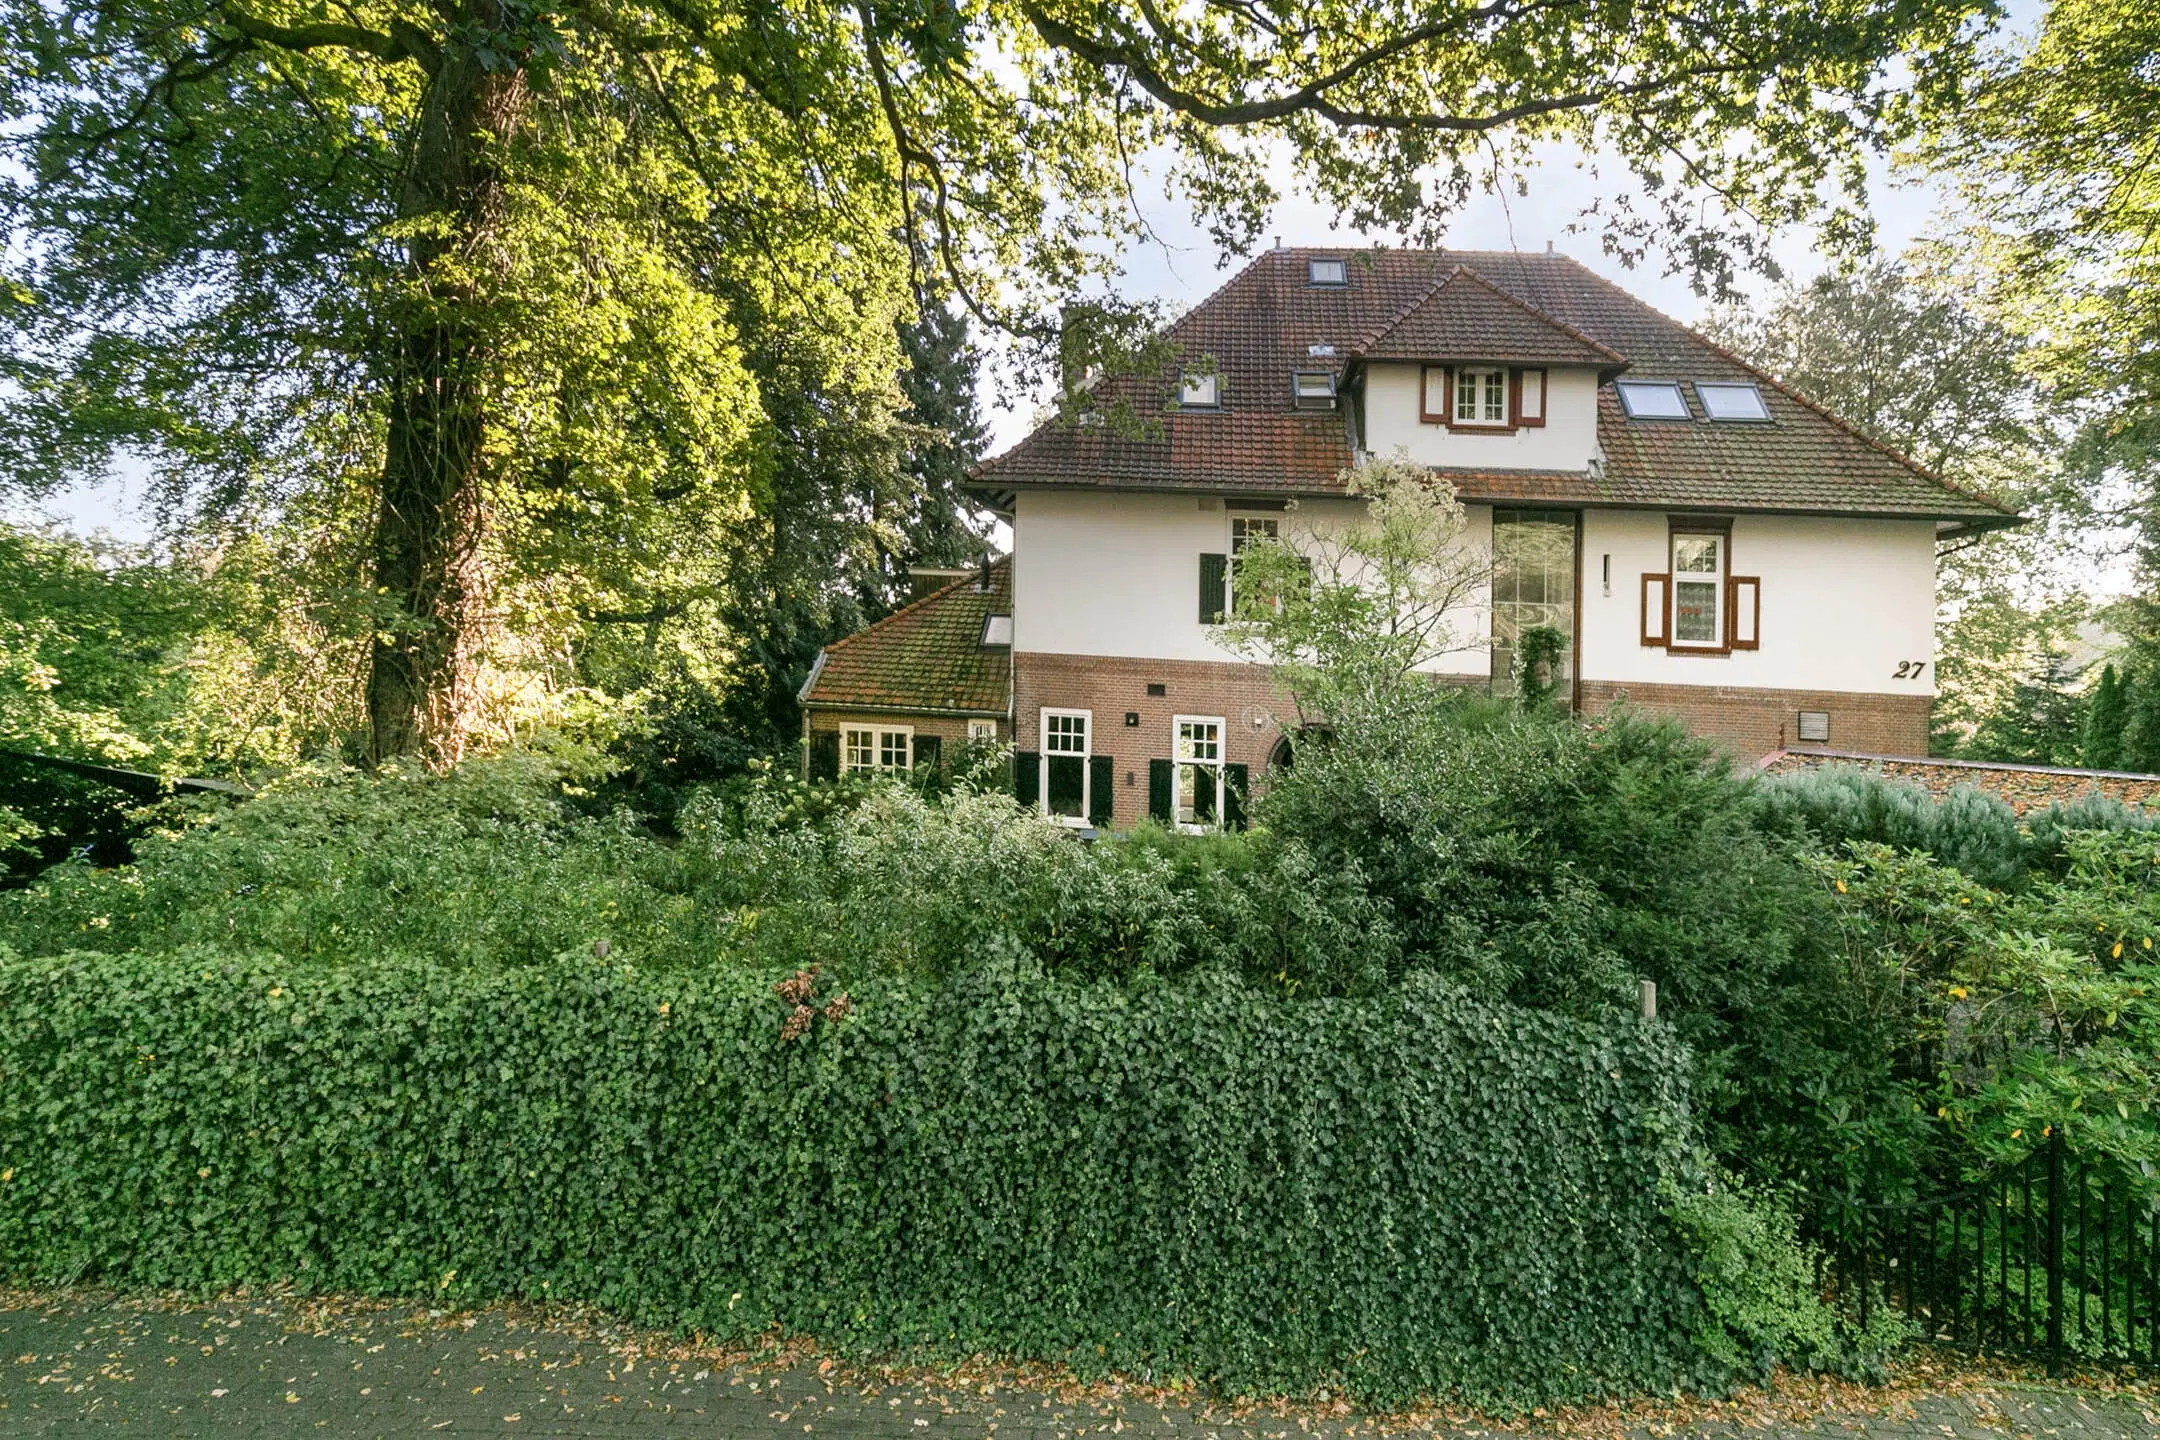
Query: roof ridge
(1798, 396)
(1001, 562)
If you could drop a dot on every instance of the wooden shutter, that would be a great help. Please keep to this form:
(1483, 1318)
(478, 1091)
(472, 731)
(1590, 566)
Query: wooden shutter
(1160, 791)
(1213, 593)
(929, 752)
(824, 755)
(1527, 391)
(1743, 610)
(1433, 395)
(1027, 778)
(1657, 609)
(1236, 779)
(1102, 789)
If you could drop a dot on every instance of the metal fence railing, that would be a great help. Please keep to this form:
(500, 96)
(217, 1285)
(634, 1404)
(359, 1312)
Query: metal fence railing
(2055, 1256)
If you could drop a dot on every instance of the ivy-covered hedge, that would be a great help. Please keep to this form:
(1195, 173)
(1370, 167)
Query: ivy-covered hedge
(1413, 1193)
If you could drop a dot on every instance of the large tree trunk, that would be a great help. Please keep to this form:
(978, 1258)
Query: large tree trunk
(429, 581)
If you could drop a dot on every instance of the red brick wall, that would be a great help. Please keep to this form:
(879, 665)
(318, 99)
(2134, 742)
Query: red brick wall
(952, 729)
(1752, 723)
(1112, 688)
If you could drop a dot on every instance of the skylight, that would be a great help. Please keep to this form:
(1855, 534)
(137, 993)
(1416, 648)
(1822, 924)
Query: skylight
(997, 630)
(1652, 399)
(1734, 401)
(1327, 272)
(1313, 389)
(1201, 392)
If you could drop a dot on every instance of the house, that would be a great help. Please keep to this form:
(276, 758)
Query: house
(1714, 545)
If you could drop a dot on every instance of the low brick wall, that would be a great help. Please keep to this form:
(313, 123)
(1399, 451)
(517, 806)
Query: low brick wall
(2022, 787)
(1753, 723)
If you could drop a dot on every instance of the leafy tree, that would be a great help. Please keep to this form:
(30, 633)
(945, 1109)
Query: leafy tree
(1343, 611)
(2106, 714)
(475, 268)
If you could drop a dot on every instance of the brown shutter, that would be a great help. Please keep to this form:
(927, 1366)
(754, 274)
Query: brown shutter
(1743, 611)
(1516, 380)
(1657, 609)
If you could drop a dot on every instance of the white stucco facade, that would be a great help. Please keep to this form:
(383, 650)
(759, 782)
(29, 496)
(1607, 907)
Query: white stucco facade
(1845, 602)
(1117, 574)
(1566, 441)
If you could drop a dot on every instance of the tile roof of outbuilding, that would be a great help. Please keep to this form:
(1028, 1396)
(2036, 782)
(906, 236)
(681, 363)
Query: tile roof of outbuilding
(1268, 322)
(924, 656)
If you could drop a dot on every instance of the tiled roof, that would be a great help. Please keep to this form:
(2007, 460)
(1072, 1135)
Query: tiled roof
(1464, 316)
(1268, 322)
(925, 656)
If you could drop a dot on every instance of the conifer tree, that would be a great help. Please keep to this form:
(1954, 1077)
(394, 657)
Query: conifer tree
(2104, 719)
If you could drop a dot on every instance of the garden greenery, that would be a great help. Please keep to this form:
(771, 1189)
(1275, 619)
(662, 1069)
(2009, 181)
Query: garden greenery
(1414, 1192)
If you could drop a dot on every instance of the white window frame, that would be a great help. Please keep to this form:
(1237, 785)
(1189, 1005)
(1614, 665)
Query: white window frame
(981, 730)
(1246, 518)
(1719, 587)
(1087, 769)
(1482, 386)
(1180, 761)
(1327, 272)
(878, 735)
(1200, 390)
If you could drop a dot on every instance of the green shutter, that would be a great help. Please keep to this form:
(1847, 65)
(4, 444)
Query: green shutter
(824, 755)
(1102, 789)
(929, 752)
(1159, 797)
(1027, 778)
(1213, 593)
(1234, 783)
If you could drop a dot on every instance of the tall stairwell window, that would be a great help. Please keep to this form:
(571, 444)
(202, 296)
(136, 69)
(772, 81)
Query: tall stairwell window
(1533, 584)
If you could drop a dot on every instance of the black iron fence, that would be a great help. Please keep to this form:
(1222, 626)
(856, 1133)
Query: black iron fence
(2056, 1255)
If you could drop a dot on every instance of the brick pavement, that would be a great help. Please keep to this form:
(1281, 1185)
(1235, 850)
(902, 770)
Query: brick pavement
(80, 1364)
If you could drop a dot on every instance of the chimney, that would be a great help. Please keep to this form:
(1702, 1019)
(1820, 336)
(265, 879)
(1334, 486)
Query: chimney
(1548, 247)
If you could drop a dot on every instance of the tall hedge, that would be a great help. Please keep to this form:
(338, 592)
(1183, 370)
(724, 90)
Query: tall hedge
(1410, 1194)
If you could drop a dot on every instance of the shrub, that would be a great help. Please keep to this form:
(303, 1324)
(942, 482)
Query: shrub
(1833, 804)
(1401, 1194)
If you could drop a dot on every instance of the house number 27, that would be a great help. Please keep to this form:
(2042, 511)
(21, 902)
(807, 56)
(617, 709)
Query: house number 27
(1908, 669)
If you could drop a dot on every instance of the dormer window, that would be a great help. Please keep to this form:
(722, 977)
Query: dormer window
(1481, 396)
(1653, 400)
(1201, 392)
(1313, 389)
(1734, 401)
(1327, 273)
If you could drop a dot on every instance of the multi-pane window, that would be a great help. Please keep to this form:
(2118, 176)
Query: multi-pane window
(1698, 588)
(1197, 755)
(1481, 397)
(1246, 530)
(876, 748)
(1064, 779)
(1533, 584)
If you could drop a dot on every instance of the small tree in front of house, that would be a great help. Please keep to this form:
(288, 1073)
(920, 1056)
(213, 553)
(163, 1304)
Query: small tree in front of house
(1345, 613)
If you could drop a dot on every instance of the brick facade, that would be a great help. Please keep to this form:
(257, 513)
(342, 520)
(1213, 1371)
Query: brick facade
(1753, 723)
(1113, 688)
(951, 730)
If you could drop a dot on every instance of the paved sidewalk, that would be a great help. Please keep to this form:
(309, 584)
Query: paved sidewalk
(80, 1365)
